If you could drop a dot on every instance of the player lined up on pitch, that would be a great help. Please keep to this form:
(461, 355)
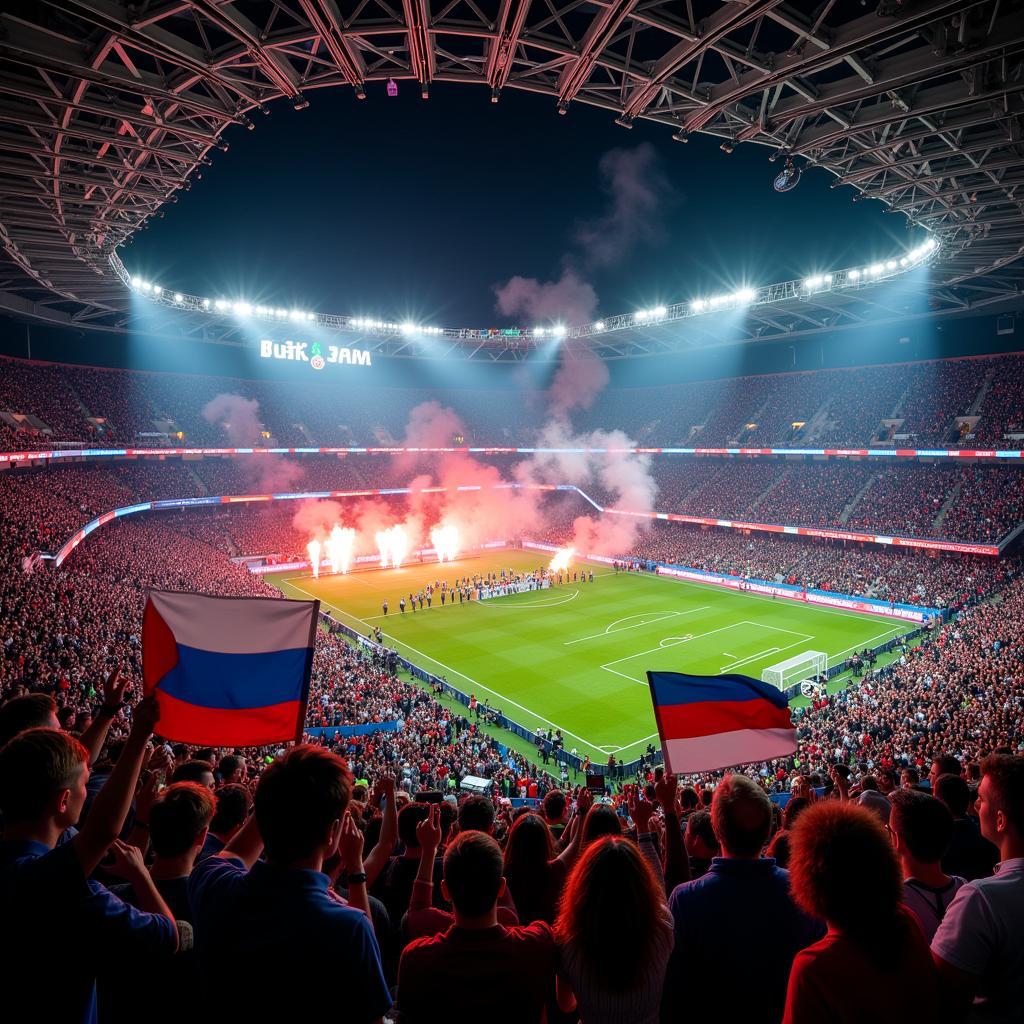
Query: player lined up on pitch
(480, 587)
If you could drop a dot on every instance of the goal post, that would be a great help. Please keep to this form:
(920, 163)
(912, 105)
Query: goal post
(802, 670)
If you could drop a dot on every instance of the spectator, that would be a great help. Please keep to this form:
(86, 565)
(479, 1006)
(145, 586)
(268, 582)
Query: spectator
(394, 886)
(535, 875)
(232, 808)
(743, 902)
(979, 946)
(969, 854)
(630, 986)
(178, 820)
(270, 922)
(232, 768)
(779, 848)
(49, 902)
(489, 972)
(555, 807)
(701, 842)
(476, 814)
(195, 771)
(921, 828)
(873, 964)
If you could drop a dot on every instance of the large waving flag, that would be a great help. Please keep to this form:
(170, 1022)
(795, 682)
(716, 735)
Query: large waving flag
(228, 671)
(709, 722)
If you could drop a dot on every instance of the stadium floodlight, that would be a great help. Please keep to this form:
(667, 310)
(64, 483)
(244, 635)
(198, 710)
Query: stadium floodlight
(136, 282)
(745, 295)
(854, 274)
(221, 304)
(890, 264)
(539, 332)
(311, 316)
(178, 297)
(697, 306)
(297, 314)
(641, 314)
(558, 330)
(876, 270)
(930, 244)
(145, 286)
(659, 311)
(242, 308)
(408, 327)
(206, 303)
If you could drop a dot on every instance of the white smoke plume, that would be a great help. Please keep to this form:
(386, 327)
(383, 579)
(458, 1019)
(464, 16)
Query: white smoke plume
(240, 419)
(637, 192)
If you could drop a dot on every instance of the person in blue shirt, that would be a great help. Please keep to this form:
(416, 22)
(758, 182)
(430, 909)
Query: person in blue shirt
(60, 928)
(739, 912)
(272, 932)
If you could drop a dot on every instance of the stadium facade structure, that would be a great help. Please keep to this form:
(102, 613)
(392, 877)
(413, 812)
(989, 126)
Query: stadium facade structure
(107, 111)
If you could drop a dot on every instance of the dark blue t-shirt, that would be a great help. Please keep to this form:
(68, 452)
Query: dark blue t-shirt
(739, 912)
(270, 936)
(60, 929)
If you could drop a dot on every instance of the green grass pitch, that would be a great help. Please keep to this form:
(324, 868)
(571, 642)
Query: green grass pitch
(575, 657)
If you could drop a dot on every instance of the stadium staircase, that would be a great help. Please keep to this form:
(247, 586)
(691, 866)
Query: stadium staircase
(83, 409)
(856, 499)
(768, 490)
(979, 399)
(950, 501)
(819, 420)
(201, 489)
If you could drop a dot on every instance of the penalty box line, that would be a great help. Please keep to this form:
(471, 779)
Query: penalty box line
(469, 679)
(683, 640)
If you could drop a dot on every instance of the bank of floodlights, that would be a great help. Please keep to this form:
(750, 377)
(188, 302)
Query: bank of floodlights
(824, 281)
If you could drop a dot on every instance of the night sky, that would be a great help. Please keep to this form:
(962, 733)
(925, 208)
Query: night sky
(406, 209)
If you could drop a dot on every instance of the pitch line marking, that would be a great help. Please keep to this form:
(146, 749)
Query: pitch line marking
(660, 616)
(540, 718)
(754, 657)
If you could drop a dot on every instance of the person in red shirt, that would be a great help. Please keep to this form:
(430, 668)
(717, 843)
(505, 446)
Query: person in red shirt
(478, 967)
(873, 963)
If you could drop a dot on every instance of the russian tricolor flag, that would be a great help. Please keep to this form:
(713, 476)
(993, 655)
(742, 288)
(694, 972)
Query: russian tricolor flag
(228, 671)
(710, 722)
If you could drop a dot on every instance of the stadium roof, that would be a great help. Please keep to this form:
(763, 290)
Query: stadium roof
(107, 111)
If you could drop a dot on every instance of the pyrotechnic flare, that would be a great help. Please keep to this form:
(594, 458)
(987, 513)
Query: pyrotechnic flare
(313, 547)
(445, 540)
(339, 548)
(563, 556)
(392, 544)
(399, 545)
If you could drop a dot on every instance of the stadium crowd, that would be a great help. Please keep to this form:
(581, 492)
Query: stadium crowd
(919, 404)
(136, 865)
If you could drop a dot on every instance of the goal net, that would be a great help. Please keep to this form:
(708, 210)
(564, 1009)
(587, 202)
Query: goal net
(801, 670)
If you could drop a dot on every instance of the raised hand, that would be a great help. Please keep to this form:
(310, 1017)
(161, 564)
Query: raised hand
(128, 861)
(145, 717)
(428, 831)
(640, 810)
(665, 790)
(146, 796)
(114, 687)
(584, 801)
(350, 846)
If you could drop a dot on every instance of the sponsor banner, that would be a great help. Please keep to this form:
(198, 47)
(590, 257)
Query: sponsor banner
(184, 502)
(504, 589)
(908, 613)
(899, 453)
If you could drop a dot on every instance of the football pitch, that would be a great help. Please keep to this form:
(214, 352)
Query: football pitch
(574, 657)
